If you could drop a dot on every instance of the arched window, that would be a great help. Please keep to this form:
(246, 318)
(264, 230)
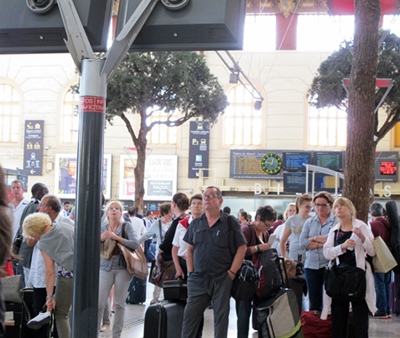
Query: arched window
(327, 127)
(160, 133)
(10, 112)
(70, 118)
(242, 122)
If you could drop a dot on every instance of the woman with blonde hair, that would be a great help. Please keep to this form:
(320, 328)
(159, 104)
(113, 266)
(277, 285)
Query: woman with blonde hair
(348, 243)
(289, 211)
(113, 271)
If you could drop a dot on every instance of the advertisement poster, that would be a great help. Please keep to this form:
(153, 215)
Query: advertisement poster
(160, 179)
(33, 147)
(199, 148)
(66, 167)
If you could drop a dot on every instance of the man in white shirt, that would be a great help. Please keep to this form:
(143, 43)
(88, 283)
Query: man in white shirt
(138, 224)
(17, 206)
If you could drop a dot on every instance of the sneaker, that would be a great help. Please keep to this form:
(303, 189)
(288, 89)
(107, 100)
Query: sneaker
(41, 319)
(104, 327)
(379, 316)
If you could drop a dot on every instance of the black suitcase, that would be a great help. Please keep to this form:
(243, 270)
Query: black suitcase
(395, 295)
(136, 291)
(175, 290)
(164, 320)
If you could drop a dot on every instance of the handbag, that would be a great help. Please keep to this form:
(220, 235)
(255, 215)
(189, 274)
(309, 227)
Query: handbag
(107, 248)
(161, 271)
(136, 262)
(246, 281)
(345, 283)
(12, 286)
(383, 261)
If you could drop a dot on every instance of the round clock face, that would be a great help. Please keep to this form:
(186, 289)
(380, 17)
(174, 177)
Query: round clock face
(271, 164)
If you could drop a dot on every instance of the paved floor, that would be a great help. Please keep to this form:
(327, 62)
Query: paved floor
(134, 323)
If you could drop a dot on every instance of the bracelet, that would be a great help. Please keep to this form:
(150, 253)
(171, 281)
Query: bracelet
(257, 248)
(232, 272)
(49, 298)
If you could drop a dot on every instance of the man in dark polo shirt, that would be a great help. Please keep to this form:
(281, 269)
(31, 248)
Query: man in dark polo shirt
(215, 253)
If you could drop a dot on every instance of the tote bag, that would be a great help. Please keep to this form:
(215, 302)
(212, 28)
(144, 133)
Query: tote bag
(383, 261)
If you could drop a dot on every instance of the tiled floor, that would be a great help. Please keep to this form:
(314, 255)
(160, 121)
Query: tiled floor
(134, 323)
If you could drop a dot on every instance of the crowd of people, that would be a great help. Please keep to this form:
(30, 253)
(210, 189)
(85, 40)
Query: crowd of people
(207, 246)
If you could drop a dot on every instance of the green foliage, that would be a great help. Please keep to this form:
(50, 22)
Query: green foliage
(327, 90)
(169, 82)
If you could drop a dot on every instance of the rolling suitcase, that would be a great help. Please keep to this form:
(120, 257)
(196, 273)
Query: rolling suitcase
(136, 291)
(395, 295)
(270, 313)
(164, 320)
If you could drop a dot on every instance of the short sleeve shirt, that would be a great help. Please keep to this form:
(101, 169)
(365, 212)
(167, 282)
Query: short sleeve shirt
(214, 247)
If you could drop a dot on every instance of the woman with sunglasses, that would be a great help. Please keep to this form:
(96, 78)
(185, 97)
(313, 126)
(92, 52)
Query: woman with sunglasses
(312, 239)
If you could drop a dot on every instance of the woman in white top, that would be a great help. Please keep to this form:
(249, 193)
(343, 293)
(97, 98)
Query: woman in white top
(179, 245)
(294, 226)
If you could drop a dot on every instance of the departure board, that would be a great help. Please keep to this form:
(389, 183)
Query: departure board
(295, 160)
(245, 163)
(329, 159)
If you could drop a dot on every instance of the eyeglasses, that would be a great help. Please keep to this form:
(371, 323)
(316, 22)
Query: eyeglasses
(210, 196)
(322, 205)
(114, 209)
(268, 224)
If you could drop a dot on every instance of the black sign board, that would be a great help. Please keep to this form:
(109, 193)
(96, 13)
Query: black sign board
(33, 147)
(199, 148)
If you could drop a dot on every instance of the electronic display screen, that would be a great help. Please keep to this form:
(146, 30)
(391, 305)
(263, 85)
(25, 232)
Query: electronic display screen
(386, 166)
(296, 183)
(294, 161)
(329, 159)
(327, 183)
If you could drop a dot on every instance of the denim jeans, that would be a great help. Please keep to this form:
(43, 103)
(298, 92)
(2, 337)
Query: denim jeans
(382, 290)
(315, 284)
(243, 311)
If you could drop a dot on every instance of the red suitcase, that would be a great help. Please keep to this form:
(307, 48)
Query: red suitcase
(315, 327)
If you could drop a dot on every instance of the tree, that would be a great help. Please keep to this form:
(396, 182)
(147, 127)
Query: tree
(178, 85)
(363, 60)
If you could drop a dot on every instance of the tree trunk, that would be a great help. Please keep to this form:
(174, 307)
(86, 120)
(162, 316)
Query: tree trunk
(360, 150)
(141, 144)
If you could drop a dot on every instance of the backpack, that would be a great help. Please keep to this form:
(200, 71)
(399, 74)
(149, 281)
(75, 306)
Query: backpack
(246, 281)
(394, 245)
(269, 270)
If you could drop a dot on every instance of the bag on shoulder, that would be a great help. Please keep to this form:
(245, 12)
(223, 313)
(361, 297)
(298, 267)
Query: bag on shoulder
(269, 270)
(246, 281)
(345, 283)
(161, 271)
(107, 248)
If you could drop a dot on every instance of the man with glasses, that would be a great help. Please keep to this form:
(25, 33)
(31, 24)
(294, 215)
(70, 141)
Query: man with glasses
(216, 249)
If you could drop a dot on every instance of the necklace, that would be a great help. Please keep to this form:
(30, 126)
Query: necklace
(113, 229)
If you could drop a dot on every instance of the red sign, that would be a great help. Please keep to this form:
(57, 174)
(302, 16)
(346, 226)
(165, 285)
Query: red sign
(346, 7)
(92, 104)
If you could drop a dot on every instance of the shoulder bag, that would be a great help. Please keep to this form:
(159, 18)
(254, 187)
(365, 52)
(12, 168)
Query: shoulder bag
(383, 261)
(345, 283)
(161, 270)
(136, 262)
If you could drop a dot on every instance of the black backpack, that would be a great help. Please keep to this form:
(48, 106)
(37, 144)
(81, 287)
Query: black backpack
(269, 270)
